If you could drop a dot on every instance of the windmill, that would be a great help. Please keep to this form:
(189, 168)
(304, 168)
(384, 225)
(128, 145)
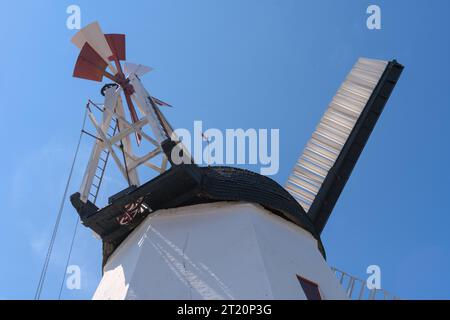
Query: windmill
(217, 232)
(98, 52)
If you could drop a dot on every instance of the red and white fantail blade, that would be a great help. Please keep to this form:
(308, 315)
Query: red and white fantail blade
(116, 43)
(160, 102)
(90, 65)
(93, 35)
(137, 69)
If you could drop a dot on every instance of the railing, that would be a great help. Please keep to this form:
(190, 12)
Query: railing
(356, 289)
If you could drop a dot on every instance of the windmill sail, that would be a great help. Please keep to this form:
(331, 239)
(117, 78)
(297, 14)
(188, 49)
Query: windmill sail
(331, 153)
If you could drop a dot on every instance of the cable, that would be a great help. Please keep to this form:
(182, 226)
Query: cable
(58, 219)
(76, 225)
(68, 258)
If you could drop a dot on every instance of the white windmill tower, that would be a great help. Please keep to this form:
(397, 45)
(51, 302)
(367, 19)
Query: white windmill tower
(216, 232)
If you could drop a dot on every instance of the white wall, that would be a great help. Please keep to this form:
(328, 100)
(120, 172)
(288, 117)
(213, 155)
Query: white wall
(223, 250)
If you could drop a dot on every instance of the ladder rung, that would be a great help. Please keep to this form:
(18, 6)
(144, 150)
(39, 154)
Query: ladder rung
(104, 155)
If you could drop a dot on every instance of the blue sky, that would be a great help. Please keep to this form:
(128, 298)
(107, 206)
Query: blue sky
(248, 64)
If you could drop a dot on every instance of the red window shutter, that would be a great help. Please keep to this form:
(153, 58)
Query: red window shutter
(311, 289)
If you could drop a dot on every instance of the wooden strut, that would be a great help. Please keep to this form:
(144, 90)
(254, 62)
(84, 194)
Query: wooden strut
(130, 162)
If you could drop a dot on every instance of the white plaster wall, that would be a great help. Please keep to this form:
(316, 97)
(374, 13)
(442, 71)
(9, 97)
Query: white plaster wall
(223, 250)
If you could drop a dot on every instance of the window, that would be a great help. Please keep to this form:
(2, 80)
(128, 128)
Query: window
(310, 289)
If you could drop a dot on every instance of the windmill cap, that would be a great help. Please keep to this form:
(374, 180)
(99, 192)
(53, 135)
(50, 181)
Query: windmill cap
(186, 185)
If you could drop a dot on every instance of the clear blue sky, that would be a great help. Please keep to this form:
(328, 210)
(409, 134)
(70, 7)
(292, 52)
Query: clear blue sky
(249, 64)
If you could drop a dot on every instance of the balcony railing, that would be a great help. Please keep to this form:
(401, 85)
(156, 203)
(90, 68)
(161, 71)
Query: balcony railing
(356, 289)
